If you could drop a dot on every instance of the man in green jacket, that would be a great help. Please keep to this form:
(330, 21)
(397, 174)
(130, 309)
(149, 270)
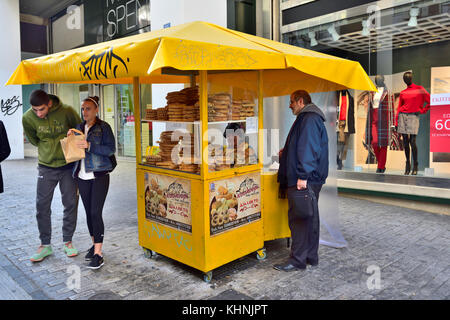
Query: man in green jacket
(45, 124)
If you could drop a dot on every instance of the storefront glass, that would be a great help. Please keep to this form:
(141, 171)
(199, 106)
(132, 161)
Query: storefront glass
(117, 110)
(400, 129)
(72, 94)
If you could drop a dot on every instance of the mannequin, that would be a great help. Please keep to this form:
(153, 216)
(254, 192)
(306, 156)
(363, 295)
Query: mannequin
(410, 105)
(345, 124)
(378, 124)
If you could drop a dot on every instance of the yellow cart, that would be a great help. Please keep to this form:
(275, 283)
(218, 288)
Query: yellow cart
(181, 225)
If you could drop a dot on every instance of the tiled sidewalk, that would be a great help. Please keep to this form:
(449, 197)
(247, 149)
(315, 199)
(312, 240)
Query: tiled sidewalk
(411, 250)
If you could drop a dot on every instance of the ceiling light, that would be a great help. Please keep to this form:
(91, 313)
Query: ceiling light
(312, 36)
(413, 13)
(332, 30)
(365, 31)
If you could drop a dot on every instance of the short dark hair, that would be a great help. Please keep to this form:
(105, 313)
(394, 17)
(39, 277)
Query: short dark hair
(303, 95)
(234, 127)
(39, 97)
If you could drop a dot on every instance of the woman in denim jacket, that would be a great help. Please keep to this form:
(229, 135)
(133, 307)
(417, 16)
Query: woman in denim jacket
(92, 174)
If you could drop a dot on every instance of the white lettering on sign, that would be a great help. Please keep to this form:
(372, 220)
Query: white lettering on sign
(124, 14)
(440, 99)
(441, 124)
(74, 19)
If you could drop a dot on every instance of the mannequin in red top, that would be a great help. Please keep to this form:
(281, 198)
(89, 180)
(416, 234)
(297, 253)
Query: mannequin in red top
(410, 105)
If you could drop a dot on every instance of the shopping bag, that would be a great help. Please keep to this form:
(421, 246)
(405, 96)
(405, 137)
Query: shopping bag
(70, 149)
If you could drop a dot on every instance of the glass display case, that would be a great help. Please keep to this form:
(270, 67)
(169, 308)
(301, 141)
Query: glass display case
(171, 125)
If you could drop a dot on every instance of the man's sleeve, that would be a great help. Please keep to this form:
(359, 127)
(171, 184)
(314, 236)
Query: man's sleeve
(30, 132)
(308, 146)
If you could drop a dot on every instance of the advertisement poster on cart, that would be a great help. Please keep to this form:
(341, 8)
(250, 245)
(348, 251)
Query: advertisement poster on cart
(168, 201)
(234, 202)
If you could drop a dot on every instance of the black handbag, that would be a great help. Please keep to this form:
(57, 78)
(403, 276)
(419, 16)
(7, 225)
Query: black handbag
(302, 203)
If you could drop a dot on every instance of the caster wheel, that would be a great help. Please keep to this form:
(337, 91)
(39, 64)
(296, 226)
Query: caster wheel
(207, 277)
(261, 254)
(149, 253)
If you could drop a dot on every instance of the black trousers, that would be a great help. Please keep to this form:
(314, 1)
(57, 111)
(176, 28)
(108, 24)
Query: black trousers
(93, 194)
(305, 236)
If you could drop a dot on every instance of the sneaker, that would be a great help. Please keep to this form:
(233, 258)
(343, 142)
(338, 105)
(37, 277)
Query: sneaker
(96, 262)
(43, 251)
(70, 250)
(90, 254)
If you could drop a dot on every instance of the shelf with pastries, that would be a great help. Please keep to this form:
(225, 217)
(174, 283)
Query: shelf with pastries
(168, 158)
(183, 107)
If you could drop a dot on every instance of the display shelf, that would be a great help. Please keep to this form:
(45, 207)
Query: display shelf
(168, 121)
(194, 122)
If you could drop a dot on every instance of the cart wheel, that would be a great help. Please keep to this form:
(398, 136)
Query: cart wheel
(261, 254)
(207, 276)
(149, 253)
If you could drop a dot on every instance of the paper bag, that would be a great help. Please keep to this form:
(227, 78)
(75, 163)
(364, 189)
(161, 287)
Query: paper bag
(71, 151)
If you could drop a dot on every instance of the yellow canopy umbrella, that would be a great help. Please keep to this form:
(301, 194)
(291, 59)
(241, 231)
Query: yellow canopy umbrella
(191, 47)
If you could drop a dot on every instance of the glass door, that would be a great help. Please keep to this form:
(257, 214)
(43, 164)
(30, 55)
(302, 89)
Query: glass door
(118, 113)
(125, 117)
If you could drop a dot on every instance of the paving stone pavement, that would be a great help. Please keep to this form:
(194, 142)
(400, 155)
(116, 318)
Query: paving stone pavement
(409, 249)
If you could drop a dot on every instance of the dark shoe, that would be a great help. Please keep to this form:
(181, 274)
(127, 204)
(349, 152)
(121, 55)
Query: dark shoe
(90, 254)
(312, 263)
(381, 170)
(407, 168)
(287, 267)
(378, 170)
(414, 172)
(96, 262)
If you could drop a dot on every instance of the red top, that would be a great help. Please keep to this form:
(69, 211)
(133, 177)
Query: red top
(412, 100)
(343, 109)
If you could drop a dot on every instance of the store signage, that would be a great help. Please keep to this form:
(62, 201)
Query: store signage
(168, 201)
(440, 123)
(234, 202)
(122, 17)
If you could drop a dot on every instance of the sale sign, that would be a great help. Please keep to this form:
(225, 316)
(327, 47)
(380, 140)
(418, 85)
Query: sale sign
(440, 123)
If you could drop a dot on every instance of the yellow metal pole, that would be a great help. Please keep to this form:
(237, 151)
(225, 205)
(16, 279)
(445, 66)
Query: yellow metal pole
(260, 119)
(204, 121)
(137, 119)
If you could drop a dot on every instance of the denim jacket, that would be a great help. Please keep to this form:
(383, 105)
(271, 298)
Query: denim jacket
(102, 146)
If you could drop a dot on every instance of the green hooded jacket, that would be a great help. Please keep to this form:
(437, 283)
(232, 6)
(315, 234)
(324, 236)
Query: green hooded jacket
(45, 133)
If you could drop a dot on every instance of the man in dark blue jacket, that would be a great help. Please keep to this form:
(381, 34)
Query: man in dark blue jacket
(304, 164)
